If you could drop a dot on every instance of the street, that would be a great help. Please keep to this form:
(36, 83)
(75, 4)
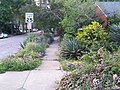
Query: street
(10, 45)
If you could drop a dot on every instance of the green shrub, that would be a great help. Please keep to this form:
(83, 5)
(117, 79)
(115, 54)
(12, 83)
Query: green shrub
(30, 46)
(114, 19)
(31, 38)
(2, 68)
(27, 52)
(37, 47)
(115, 33)
(26, 59)
(72, 49)
(92, 32)
(95, 36)
(100, 71)
(20, 64)
(22, 61)
(41, 47)
(48, 37)
(68, 36)
(91, 77)
(71, 65)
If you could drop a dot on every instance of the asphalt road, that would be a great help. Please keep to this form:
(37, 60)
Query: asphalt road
(10, 45)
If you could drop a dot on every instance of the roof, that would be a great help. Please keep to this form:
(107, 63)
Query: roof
(110, 8)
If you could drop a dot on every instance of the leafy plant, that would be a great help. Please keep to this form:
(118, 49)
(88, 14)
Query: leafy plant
(37, 47)
(115, 33)
(26, 59)
(31, 38)
(90, 77)
(92, 32)
(114, 19)
(71, 65)
(48, 37)
(23, 45)
(72, 49)
(100, 71)
(20, 64)
(96, 37)
(76, 14)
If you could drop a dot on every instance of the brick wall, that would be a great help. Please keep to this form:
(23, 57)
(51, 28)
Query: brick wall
(101, 15)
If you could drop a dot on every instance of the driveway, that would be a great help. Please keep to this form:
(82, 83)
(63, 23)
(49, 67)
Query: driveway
(10, 45)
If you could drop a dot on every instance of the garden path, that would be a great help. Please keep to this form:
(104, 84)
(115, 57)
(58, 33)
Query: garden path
(49, 72)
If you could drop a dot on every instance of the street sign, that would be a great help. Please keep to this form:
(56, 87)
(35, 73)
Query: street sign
(29, 26)
(29, 17)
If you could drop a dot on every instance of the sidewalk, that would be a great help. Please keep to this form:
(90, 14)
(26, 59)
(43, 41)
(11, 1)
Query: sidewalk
(45, 77)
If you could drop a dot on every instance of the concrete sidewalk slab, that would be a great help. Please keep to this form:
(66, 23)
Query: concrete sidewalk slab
(49, 65)
(12, 80)
(43, 80)
(51, 52)
(37, 80)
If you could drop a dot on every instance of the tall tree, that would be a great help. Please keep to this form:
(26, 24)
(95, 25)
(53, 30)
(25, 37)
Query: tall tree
(76, 13)
(8, 10)
(5, 13)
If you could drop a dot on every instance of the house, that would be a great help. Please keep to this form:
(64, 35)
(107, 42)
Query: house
(105, 9)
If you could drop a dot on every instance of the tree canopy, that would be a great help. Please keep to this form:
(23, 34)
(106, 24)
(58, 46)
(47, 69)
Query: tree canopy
(8, 9)
(76, 13)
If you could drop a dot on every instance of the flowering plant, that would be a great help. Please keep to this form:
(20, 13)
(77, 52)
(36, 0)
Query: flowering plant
(94, 31)
(99, 77)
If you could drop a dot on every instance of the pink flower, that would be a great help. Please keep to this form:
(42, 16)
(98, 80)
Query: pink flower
(87, 75)
(115, 76)
(99, 68)
(67, 81)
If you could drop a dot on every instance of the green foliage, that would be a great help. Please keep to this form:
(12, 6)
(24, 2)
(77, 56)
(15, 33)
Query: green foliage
(9, 9)
(114, 19)
(90, 78)
(101, 70)
(100, 56)
(71, 65)
(96, 37)
(37, 47)
(31, 38)
(109, 0)
(31, 8)
(92, 32)
(48, 37)
(99, 61)
(72, 49)
(68, 36)
(19, 63)
(38, 39)
(76, 13)
(48, 19)
(26, 59)
(2, 68)
(115, 33)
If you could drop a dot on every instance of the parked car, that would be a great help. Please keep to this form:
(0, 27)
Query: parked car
(3, 35)
(35, 30)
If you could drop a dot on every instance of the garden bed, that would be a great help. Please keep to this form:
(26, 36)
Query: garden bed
(27, 59)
